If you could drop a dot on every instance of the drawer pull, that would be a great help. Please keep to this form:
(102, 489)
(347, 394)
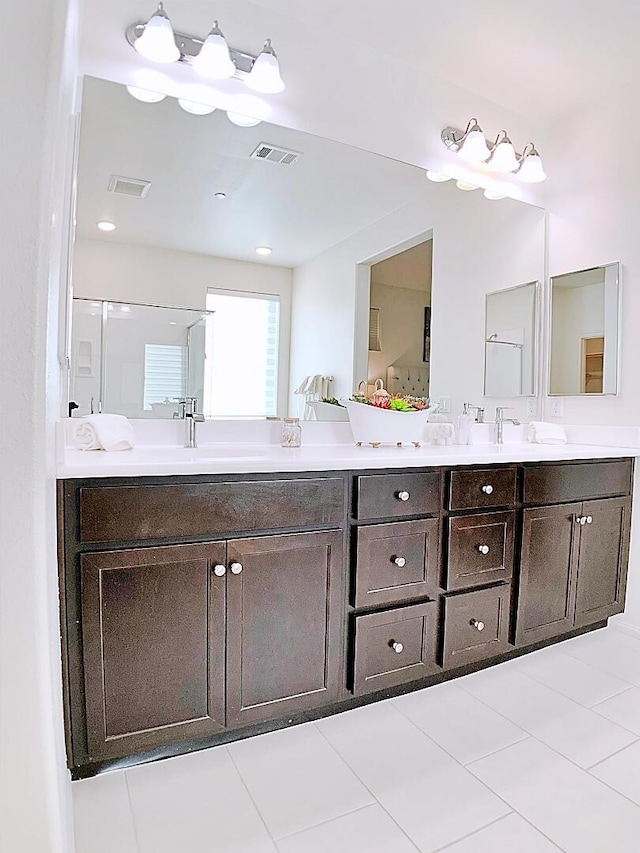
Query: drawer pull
(488, 489)
(589, 519)
(400, 562)
(484, 549)
(219, 571)
(398, 648)
(236, 568)
(403, 495)
(475, 623)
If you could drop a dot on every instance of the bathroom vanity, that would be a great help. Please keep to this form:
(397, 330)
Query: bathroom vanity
(202, 607)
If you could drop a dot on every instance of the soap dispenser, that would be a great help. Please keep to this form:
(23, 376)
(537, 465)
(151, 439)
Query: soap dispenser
(462, 425)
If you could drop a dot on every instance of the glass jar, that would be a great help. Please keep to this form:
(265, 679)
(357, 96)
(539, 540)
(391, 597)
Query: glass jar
(291, 432)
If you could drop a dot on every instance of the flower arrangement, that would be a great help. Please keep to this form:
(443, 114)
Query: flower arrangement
(381, 418)
(398, 403)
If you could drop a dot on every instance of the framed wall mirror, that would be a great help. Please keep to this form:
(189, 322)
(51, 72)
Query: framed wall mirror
(289, 239)
(585, 332)
(511, 342)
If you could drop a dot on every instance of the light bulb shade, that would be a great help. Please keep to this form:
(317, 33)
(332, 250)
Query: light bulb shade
(214, 60)
(146, 96)
(503, 157)
(437, 177)
(474, 147)
(241, 120)
(466, 186)
(195, 108)
(158, 42)
(531, 170)
(265, 75)
(494, 195)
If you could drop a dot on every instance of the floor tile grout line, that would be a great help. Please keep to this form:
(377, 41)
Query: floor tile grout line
(326, 821)
(600, 668)
(471, 834)
(602, 701)
(250, 795)
(535, 737)
(367, 788)
(136, 834)
(617, 752)
(615, 790)
(493, 823)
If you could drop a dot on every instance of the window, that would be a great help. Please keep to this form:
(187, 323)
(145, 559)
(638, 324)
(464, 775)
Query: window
(241, 367)
(165, 373)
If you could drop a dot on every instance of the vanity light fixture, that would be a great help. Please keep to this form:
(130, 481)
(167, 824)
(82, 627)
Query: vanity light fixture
(211, 57)
(466, 186)
(195, 108)
(531, 170)
(437, 177)
(146, 96)
(105, 225)
(263, 250)
(494, 195)
(156, 40)
(242, 121)
(501, 156)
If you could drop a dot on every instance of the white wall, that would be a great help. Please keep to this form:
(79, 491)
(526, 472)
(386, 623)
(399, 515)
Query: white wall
(478, 247)
(126, 273)
(36, 100)
(578, 312)
(402, 326)
(514, 309)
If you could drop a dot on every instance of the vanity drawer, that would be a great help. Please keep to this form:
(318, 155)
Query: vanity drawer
(395, 646)
(131, 513)
(480, 549)
(476, 625)
(480, 489)
(389, 495)
(396, 562)
(568, 481)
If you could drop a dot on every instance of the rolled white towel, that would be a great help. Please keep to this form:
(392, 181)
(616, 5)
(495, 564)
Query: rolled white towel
(436, 433)
(540, 432)
(103, 432)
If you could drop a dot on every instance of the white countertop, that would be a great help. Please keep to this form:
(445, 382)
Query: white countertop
(149, 461)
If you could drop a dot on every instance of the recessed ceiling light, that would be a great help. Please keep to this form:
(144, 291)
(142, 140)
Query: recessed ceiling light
(494, 195)
(437, 177)
(126, 309)
(241, 120)
(221, 195)
(195, 108)
(145, 95)
(463, 185)
(172, 323)
(105, 225)
(263, 250)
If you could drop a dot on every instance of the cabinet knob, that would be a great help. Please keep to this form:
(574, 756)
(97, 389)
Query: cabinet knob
(220, 570)
(589, 519)
(579, 519)
(400, 562)
(488, 489)
(484, 549)
(475, 623)
(398, 648)
(583, 520)
(236, 568)
(403, 495)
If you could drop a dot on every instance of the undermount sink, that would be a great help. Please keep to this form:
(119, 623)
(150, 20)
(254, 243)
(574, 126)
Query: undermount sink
(227, 451)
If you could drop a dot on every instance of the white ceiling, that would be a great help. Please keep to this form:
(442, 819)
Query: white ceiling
(540, 59)
(332, 191)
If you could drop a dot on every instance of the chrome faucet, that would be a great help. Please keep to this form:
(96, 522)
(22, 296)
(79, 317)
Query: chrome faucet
(187, 412)
(500, 420)
(479, 418)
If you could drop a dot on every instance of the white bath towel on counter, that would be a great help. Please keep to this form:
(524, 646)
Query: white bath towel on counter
(436, 433)
(103, 432)
(540, 432)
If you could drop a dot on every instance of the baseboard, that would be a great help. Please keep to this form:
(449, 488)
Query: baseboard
(625, 628)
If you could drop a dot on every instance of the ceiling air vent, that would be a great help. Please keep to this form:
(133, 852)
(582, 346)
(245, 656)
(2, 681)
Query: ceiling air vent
(284, 157)
(133, 187)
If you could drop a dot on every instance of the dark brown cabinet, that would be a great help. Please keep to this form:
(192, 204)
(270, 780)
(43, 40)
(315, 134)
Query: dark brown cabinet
(573, 569)
(153, 630)
(476, 625)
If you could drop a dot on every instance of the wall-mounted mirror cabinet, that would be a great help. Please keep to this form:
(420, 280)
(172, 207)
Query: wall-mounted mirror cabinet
(511, 342)
(585, 332)
(192, 197)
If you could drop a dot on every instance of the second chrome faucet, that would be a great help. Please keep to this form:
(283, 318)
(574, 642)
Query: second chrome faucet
(500, 421)
(188, 412)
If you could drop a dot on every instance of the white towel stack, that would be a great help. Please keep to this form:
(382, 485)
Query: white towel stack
(540, 432)
(103, 432)
(439, 433)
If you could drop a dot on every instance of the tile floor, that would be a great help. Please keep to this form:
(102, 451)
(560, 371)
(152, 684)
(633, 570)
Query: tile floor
(535, 755)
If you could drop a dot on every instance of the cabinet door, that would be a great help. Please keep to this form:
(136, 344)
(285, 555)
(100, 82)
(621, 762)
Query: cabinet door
(550, 537)
(153, 622)
(602, 564)
(284, 624)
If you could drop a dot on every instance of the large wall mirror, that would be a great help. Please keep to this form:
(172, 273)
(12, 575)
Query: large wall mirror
(320, 264)
(585, 329)
(511, 342)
